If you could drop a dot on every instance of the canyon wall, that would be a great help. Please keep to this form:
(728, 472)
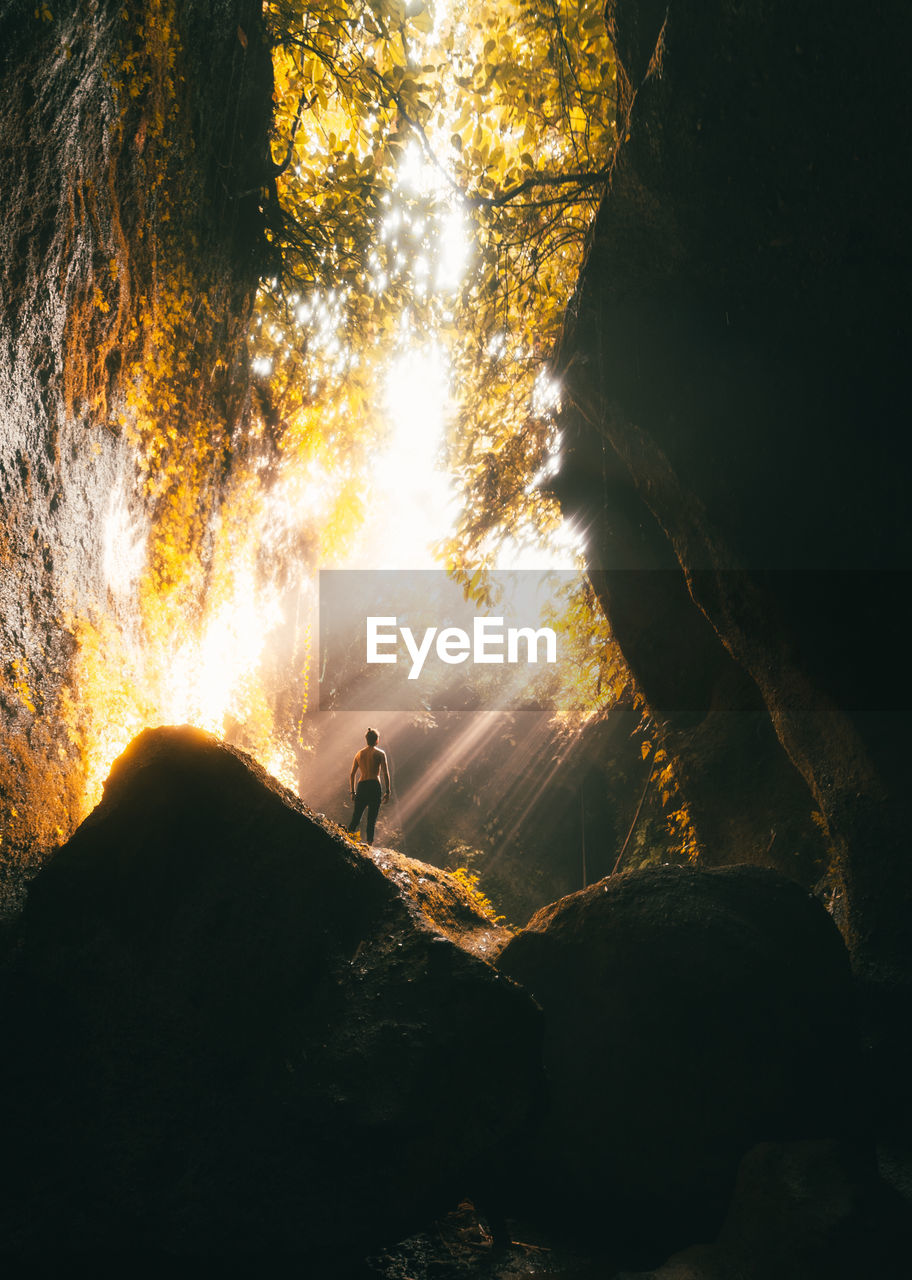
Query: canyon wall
(134, 144)
(736, 428)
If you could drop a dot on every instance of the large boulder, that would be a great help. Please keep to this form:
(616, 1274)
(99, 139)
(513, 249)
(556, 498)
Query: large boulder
(233, 1035)
(803, 1211)
(688, 1015)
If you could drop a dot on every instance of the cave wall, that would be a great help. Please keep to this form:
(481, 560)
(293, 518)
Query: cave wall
(736, 426)
(135, 159)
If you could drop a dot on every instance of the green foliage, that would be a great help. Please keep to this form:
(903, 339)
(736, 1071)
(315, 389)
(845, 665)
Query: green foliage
(470, 882)
(602, 676)
(398, 127)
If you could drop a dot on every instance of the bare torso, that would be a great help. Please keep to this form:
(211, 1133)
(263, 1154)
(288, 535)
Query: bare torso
(369, 761)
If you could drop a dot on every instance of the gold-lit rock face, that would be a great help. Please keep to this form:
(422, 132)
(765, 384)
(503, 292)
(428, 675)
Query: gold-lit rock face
(130, 248)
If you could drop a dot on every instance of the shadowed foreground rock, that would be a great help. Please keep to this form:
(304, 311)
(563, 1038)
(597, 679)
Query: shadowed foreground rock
(688, 1016)
(802, 1211)
(233, 1036)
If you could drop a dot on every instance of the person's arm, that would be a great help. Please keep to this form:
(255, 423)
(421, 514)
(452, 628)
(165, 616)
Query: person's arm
(385, 776)
(351, 778)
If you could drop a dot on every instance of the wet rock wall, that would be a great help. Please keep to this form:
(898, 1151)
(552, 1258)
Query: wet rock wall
(736, 428)
(134, 144)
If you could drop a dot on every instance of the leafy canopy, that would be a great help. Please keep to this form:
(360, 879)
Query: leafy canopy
(437, 170)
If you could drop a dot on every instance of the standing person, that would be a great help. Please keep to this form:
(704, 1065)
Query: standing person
(372, 764)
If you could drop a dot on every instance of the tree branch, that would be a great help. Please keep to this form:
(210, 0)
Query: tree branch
(278, 170)
(582, 179)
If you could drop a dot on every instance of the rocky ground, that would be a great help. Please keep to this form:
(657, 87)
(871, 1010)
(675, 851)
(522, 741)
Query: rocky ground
(234, 1033)
(460, 1247)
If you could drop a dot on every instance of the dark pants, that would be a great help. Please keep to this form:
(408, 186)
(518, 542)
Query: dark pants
(367, 797)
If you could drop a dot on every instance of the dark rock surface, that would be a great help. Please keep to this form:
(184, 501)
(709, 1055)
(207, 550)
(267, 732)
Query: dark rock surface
(688, 1015)
(803, 1211)
(229, 1035)
(736, 423)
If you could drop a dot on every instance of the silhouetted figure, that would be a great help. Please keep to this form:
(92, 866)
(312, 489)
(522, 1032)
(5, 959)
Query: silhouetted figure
(371, 763)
